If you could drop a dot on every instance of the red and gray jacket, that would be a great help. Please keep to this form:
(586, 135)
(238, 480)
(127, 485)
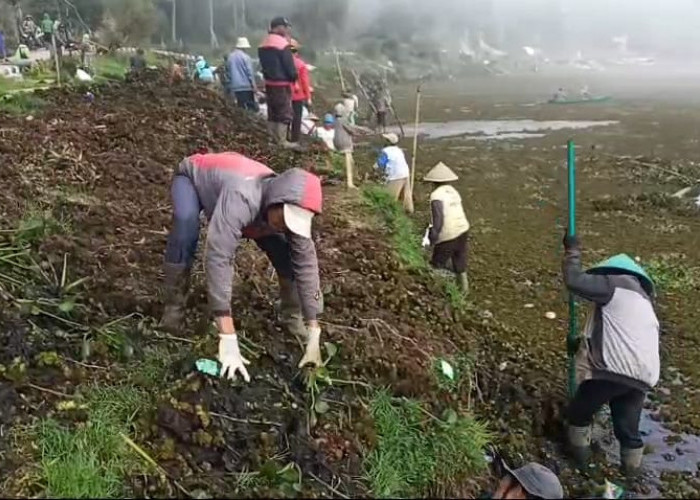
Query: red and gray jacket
(235, 192)
(277, 61)
(301, 90)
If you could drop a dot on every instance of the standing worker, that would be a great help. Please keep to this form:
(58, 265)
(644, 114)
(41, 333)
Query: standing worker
(352, 104)
(279, 72)
(242, 198)
(392, 163)
(343, 141)
(618, 357)
(449, 229)
(301, 91)
(242, 76)
(47, 29)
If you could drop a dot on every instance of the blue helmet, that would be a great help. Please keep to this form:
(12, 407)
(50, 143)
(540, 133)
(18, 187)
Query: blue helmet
(328, 119)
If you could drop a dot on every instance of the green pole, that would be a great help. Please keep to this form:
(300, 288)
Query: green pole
(571, 337)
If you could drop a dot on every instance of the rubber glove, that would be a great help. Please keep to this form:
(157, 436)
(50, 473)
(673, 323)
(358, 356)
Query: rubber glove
(313, 347)
(426, 237)
(230, 357)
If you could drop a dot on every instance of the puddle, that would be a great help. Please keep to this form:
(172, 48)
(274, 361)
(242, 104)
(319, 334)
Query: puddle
(667, 451)
(498, 129)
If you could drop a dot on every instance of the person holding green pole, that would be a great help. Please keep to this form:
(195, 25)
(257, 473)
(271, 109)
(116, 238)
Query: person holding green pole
(617, 361)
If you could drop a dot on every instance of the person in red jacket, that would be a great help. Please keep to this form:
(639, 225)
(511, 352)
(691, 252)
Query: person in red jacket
(301, 91)
(279, 73)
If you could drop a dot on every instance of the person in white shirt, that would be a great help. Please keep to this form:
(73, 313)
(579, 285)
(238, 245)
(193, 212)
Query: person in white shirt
(352, 104)
(327, 132)
(392, 163)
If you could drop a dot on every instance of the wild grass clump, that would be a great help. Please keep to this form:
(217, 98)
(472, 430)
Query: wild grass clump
(91, 460)
(404, 236)
(671, 273)
(418, 454)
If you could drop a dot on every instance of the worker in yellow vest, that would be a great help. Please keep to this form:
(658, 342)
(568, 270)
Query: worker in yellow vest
(448, 232)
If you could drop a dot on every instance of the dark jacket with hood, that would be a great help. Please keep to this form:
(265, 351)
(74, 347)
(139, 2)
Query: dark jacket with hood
(276, 61)
(235, 192)
(621, 336)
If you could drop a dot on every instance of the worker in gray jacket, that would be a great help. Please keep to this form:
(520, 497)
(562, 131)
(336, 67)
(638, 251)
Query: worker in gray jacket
(242, 198)
(618, 355)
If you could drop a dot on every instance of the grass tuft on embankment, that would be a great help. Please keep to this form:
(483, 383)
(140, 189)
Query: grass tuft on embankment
(418, 454)
(402, 228)
(90, 459)
(406, 239)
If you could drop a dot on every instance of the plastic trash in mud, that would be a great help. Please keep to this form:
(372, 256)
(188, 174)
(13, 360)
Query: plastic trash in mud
(447, 369)
(208, 367)
(612, 490)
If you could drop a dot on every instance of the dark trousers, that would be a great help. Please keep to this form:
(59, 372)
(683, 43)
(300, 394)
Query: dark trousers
(454, 252)
(625, 406)
(246, 100)
(184, 233)
(297, 110)
(279, 104)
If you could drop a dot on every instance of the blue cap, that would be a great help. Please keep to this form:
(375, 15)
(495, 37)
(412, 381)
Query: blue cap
(328, 118)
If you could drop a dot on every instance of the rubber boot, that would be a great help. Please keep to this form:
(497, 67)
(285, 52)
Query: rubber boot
(177, 280)
(463, 283)
(289, 310)
(631, 461)
(281, 130)
(579, 444)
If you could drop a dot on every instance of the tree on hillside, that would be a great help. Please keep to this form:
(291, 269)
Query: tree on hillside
(128, 21)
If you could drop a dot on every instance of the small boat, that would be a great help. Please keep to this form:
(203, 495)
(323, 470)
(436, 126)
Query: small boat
(581, 100)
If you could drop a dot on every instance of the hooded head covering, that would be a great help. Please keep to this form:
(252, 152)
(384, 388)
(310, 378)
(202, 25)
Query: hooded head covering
(300, 193)
(624, 264)
(537, 480)
(440, 173)
(391, 138)
(242, 43)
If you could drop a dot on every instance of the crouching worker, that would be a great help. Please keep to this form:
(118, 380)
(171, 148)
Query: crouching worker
(392, 163)
(242, 198)
(449, 229)
(618, 356)
(529, 481)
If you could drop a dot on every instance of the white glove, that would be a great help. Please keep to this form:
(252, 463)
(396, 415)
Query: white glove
(426, 237)
(230, 357)
(313, 348)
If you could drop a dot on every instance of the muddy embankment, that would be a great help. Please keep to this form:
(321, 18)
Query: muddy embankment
(515, 194)
(97, 401)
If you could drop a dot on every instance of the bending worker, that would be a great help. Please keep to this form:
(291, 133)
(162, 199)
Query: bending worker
(618, 358)
(449, 230)
(242, 198)
(392, 163)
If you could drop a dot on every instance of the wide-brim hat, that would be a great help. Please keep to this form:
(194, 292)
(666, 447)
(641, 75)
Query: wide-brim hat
(537, 480)
(624, 264)
(391, 138)
(242, 43)
(440, 173)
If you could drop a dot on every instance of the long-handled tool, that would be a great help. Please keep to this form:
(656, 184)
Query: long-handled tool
(415, 141)
(572, 334)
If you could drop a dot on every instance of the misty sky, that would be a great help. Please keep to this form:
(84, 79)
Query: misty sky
(651, 25)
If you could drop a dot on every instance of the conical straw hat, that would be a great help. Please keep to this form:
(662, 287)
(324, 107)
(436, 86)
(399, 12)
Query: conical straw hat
(440, 173)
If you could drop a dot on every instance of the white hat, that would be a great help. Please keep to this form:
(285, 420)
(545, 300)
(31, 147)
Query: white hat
(298, 220)
(391, 137)
(440, 173)
(242, 43)
(339, 109)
